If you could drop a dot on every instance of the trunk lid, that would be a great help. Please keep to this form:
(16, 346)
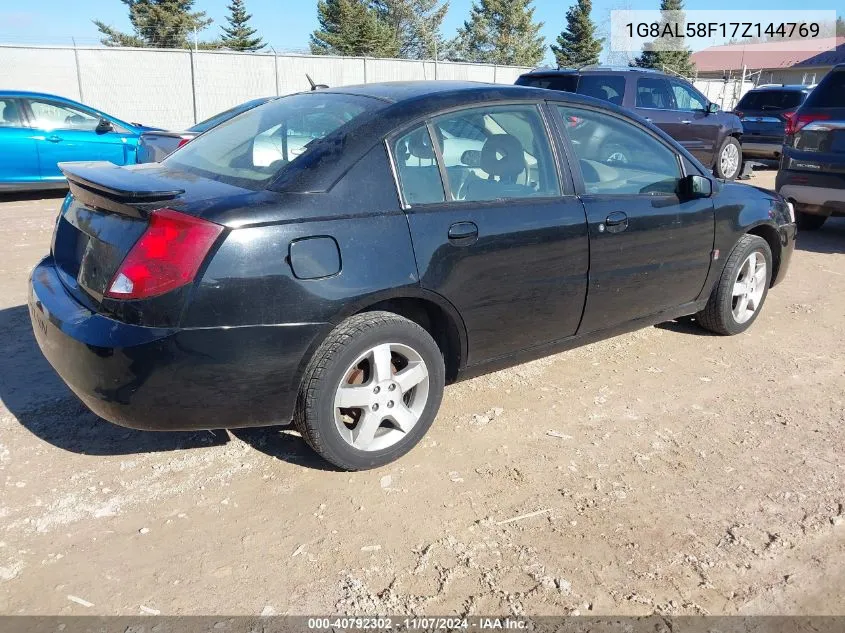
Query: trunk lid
(108, 210)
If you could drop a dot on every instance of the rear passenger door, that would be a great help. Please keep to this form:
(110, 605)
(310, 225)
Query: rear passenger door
(18, 158)
(496, 230)
(650, 250)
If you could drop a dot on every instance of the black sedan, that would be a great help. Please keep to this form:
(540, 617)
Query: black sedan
(335, 257)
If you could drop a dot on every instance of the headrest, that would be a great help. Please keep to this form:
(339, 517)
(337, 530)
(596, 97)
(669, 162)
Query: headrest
(419, 143)
(502, 155)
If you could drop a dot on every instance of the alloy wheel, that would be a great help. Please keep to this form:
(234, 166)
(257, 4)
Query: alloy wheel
(729, 161)
(381, 397)
(749, 287)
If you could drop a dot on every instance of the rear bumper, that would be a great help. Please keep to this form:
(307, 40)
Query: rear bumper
(169, 379)
(762, 149)
(821, 193)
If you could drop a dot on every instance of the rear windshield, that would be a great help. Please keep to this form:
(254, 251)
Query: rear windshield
(566, 83)
(607, 87)
(252, 149)
(219, 118)
(830, 93)
(771, 100)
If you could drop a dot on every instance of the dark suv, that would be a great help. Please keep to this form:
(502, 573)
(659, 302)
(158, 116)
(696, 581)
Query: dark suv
(812, 167)
(671, 103)
(765, 113)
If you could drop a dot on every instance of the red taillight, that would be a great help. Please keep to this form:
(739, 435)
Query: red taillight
(796, 121)
(183, 141)
(166, 257)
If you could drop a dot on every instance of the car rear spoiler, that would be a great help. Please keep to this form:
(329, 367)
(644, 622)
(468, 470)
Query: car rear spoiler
(104, 185)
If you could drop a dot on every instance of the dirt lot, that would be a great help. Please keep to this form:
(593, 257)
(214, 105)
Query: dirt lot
(663, 471)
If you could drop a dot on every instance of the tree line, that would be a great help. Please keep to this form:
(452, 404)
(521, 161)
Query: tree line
(496, 31)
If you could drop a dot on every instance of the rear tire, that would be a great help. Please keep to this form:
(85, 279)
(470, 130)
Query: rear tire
(729, 159)
(809, 221)
(371, 391)
(738, 297)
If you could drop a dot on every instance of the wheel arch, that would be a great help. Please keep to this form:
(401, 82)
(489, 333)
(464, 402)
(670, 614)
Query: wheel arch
(772, 237)
(429, 310)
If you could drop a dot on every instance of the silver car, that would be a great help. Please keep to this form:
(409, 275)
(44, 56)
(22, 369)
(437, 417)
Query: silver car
(154, 146)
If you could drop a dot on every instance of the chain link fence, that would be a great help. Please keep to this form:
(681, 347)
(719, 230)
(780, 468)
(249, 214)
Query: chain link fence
(176, 88)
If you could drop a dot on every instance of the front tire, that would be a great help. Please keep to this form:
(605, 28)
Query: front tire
(729, 159)
(809, 221)
(371, 391)
(739, 295)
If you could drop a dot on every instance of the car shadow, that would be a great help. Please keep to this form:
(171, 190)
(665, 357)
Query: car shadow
(283, 444)
(830, 238)
(22, 196)
(685, 325)
(33, 393)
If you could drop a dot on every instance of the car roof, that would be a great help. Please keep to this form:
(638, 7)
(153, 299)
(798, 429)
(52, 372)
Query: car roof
(787, 87)
(399, 91)
(549, 72)
(408, 103)
(22, 94)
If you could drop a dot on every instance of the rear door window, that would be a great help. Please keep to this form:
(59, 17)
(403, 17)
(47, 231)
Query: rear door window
(10, 113)
(770, 100)
(416, 166)
(607, 87)
(830, 93)
(654, 93)
(496, 152)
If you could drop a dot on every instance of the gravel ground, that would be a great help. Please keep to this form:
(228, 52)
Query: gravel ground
(665, 471)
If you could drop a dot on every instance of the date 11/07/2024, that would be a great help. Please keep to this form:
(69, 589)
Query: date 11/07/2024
(669, 29)
(418, 623)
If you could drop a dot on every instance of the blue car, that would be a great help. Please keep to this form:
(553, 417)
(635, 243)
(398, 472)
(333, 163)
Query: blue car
(37, 131)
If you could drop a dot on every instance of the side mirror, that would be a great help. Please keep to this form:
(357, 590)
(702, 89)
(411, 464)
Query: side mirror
(104, 126)
(471, 158)
(712, 108)
(694, 186)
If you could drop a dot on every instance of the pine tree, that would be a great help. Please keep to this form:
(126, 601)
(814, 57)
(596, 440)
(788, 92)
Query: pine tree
(674, 56)
(352, 27)
(239, 36)
(157, 23)
(578, 45)
(840, 27)
(416, 25)
(500, 32)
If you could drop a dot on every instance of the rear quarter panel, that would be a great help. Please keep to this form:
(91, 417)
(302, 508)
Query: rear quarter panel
(250, 281)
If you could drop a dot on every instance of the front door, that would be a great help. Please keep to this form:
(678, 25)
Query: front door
(650, 251)
(696, 129)
(497, 238)
(67, 133)
(18, 158)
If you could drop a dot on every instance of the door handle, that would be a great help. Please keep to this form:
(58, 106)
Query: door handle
(648, 119)
(53, 138)
(616, 222)
(463, 233)
(686, 122)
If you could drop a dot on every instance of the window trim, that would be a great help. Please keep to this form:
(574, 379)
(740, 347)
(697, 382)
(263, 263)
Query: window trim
(427, 119)
(575, 166)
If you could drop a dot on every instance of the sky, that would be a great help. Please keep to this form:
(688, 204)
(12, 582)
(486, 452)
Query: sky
(286, 24)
